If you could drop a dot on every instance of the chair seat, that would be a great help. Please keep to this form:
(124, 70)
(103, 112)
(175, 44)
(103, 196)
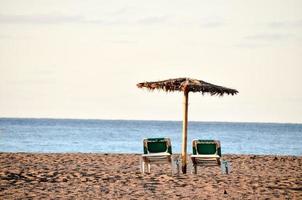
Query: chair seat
(205, 156)
(157, 157)
(156, 154)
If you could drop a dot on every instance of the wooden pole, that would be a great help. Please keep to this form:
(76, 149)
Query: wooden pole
(184, 133)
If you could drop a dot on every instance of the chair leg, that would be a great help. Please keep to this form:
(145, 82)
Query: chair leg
(194, 165)
(172, 166)
(177, 166)
(142, 166)
(195, 168)
(191, 166)
(149, 170)
(218, 161)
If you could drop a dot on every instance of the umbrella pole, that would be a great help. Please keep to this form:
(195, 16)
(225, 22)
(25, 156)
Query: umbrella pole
(184, 133)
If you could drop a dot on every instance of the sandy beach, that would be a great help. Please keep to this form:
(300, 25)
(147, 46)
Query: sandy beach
(118, 176)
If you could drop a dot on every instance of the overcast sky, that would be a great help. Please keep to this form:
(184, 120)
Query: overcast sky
(82, 59)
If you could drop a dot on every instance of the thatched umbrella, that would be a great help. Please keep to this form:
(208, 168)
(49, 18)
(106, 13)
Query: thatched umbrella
(187, 85)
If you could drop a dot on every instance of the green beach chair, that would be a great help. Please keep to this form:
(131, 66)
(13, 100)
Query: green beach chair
(158, 151)
(205, 153)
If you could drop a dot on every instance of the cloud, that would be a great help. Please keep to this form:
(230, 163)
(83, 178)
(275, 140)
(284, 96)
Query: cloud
(117, 17)
(286, 24)
(123, 41)
(13, 36)
(96, 21)
(121, 11)
(55, 18)
(268, 37)
(212, 23)
(152, 20)
(2, 36)
(263, 40)
(40, 19)
(250, 46)
(127, 21)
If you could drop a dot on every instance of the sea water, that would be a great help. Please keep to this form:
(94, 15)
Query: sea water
(126, 136)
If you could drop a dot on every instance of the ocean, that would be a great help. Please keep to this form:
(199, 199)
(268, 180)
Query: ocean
(126, 136)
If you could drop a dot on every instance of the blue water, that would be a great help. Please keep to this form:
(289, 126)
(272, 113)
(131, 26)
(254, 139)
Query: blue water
(125, 136)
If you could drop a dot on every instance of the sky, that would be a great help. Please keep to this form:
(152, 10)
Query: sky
(83, 59)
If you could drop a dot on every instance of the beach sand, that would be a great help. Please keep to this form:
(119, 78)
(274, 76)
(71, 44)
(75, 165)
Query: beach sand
(117, 176)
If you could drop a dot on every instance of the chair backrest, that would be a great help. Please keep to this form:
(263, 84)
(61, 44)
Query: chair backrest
(206, 147)
(157, 145)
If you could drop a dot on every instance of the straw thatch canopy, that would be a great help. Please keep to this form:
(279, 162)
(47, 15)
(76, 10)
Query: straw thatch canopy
(189, 85)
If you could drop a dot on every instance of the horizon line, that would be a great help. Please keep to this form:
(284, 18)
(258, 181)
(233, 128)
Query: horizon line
(158, 120)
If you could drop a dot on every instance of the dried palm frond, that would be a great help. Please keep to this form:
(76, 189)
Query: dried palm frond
(189, 85)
